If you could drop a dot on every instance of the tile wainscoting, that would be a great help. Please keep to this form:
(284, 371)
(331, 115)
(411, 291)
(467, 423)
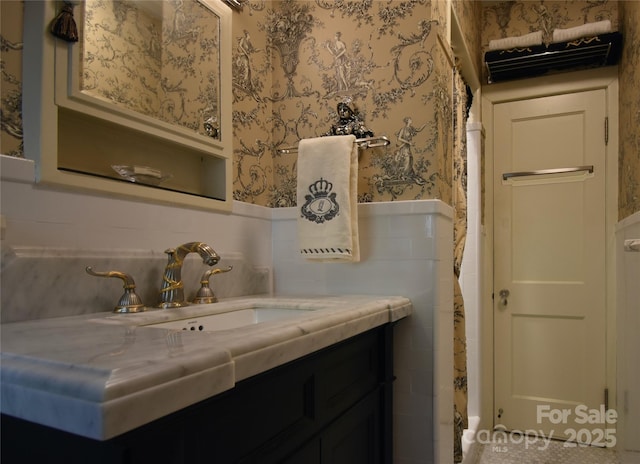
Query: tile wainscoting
(406, 249)
(628, 322)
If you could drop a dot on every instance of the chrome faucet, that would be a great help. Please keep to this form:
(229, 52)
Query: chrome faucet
(172, 290)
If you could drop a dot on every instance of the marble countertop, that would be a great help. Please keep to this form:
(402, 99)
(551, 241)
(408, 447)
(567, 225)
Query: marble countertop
(100, 375)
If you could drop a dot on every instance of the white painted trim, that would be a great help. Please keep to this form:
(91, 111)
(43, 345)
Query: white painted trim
(628, 221)
(22, 170)
(42, 90)
(241, 208)
(17, 169)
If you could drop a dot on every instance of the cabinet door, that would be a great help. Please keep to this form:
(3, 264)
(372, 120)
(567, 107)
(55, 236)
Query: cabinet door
(308, 454)
(356, 437)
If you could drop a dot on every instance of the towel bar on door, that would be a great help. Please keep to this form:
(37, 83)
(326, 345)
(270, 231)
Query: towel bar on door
(367, 142)
(632, 244)
(540, 172)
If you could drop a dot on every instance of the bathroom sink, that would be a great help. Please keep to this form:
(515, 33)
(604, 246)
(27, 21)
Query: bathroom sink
(231, 319)
(227, 314)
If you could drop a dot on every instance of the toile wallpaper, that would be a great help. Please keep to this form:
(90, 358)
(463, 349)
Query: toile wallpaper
(469, 14)
(460, 389)
(156, 58)
(11, 83)
(293, 61)
(629, 75)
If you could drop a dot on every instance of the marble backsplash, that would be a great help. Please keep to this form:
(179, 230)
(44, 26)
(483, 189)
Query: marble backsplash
(39, 283)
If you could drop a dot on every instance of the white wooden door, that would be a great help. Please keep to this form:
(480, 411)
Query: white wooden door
(550, 331)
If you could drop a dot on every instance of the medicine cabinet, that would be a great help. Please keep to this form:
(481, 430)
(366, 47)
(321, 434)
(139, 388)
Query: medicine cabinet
(139, 106)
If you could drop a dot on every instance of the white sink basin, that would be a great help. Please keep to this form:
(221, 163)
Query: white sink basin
(231, 319)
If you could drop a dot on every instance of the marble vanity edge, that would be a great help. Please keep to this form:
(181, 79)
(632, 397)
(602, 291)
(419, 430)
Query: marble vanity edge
(122, 384)
(62, 379)
(57, 411)
(186, 354)
(137, 401)
(129, 412)
(102, 421)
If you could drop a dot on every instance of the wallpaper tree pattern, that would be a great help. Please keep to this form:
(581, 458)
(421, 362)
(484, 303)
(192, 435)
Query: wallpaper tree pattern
(388, 60)
(158, 59)
(11, 85)
(294, 61)
(629, 75)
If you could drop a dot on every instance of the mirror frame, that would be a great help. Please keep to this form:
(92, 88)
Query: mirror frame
(53, 82)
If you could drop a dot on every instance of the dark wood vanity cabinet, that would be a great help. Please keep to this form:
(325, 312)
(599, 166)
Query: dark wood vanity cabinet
(330, 407)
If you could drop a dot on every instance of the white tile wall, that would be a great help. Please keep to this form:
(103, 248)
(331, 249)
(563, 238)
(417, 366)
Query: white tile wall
(46, 216)
(63, 231)
(406, 249)
(628, 322)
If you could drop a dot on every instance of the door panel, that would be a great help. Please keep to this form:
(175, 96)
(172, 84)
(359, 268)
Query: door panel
(550, 336)
(549, 250)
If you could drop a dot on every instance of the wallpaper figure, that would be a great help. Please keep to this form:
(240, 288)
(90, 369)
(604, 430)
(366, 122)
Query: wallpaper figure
(245, 48)
(242, 67)
(340, 62)
(404, 155)
(351, 68)
(400, 170)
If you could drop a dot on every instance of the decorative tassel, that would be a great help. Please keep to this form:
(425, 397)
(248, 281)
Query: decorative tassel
(64, 26)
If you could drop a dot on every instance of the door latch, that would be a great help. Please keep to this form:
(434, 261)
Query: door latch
(504, 294)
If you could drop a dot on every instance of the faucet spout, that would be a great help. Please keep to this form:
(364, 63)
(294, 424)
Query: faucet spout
(172, 289)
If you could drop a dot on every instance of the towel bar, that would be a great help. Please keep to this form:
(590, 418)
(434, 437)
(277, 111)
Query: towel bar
(508, 175)
(632, 244)
(367, 142)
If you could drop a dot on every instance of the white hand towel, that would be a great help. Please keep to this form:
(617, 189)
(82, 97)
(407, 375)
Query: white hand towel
(327, 198)
(522, 41)
(586, 30)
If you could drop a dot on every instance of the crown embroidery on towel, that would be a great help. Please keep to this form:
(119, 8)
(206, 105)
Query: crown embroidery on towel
(321, 205)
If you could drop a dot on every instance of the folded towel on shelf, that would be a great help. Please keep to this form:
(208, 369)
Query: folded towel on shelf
(586, 30)
(522, 41)
(327, 198)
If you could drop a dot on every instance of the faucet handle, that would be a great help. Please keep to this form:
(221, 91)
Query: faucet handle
(129, 302)
(205, 295)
